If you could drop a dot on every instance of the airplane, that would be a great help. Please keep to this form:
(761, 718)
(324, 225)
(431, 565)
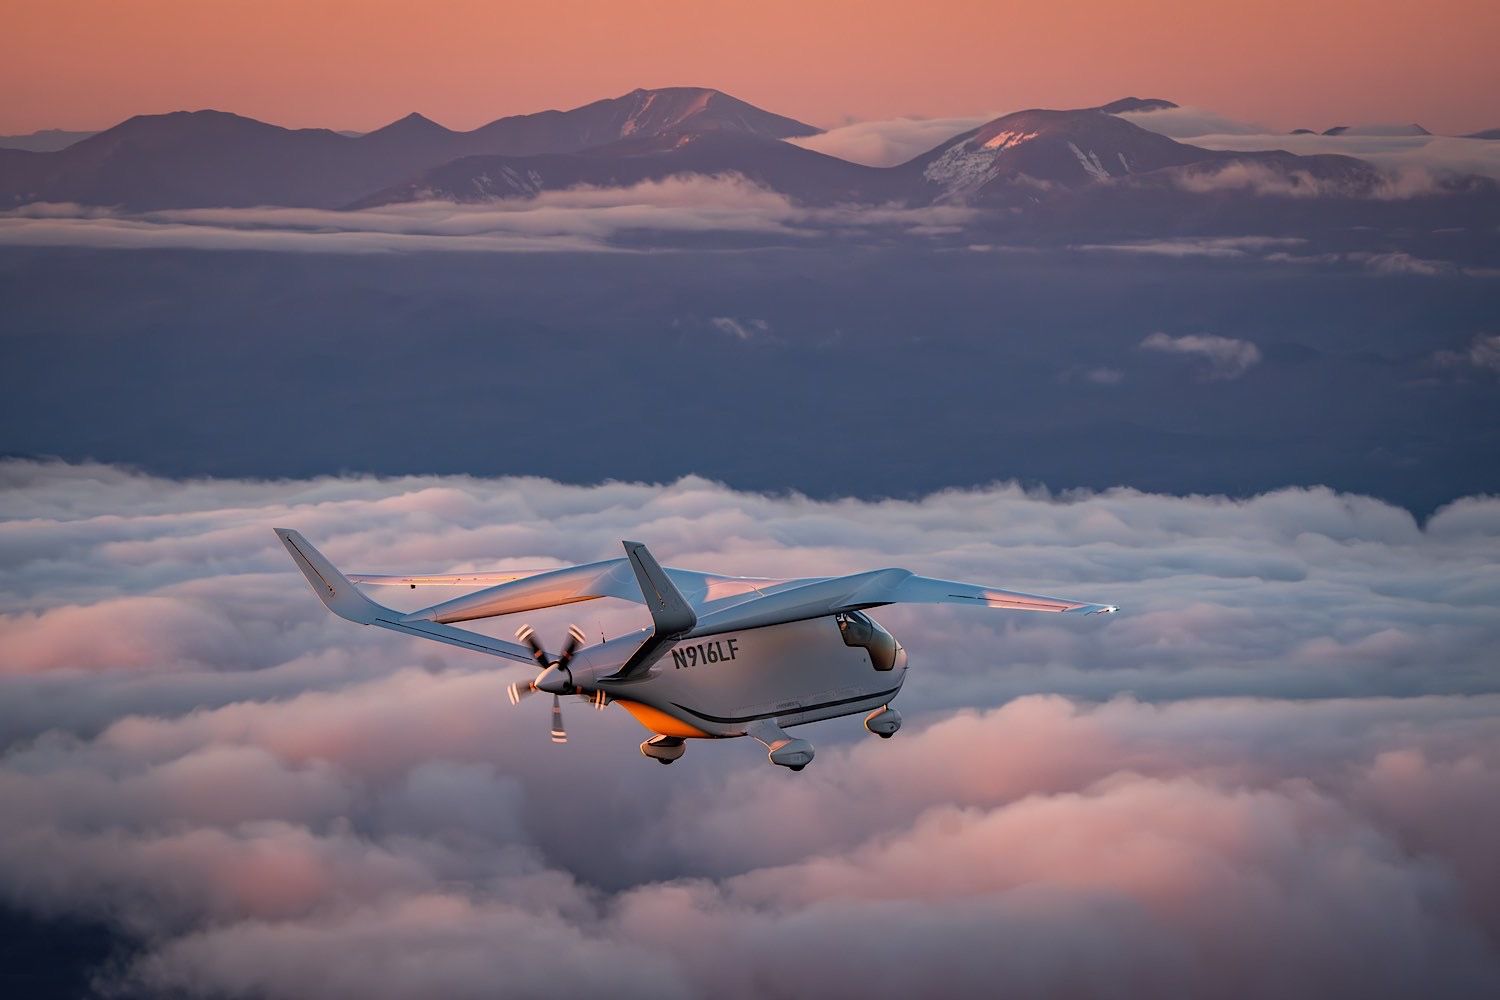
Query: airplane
(724, 656)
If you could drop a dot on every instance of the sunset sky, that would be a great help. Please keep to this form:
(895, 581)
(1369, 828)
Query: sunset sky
(87, 64)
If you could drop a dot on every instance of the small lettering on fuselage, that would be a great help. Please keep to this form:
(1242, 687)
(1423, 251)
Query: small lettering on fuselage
(717, 651)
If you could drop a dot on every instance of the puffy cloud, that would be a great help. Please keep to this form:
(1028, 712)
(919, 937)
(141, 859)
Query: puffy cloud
(1188, 123)
(1223, 357)
(747, 329)
(268, 801)
(1230, 247)
(888, 142)
(1396, 262)
(1483, 353)
(1104, 376)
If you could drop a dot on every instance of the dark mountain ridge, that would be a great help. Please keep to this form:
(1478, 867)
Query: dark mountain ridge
(1038, 167)
(191, 159)
(1017, 160)
(805, 175)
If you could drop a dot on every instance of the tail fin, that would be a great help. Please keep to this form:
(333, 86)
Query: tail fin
(671, 614)
(670, 611)
(327, 582)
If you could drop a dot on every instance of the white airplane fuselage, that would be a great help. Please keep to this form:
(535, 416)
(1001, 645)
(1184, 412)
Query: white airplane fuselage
(721, 685)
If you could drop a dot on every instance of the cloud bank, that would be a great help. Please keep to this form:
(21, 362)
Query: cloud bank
(578, 219)
(1221, 358)
(887, 142)
(1298, 800)
(1410, 159)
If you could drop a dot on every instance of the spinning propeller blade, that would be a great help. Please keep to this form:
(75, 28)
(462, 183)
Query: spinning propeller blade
(551, 669)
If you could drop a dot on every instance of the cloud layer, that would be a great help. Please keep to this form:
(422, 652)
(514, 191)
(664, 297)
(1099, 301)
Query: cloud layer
(577, 219)
(272, 802)
(887, 142)
(1411, 160)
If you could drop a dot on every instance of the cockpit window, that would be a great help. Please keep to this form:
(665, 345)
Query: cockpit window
(859, 629)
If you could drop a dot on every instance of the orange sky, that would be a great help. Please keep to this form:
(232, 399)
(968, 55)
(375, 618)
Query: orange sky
(89, 63)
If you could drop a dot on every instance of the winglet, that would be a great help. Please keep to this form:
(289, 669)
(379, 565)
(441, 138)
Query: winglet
(670, 611)
(327, 582)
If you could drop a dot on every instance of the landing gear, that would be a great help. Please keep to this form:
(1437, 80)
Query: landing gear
(664, 749)
(883, 722)
(785, 751)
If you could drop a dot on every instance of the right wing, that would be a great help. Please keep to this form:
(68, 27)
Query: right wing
(344, 599)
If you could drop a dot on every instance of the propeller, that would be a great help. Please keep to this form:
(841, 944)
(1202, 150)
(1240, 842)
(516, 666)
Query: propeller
(554, 677)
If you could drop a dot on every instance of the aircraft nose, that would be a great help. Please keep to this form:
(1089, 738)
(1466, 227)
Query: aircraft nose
(554, 680)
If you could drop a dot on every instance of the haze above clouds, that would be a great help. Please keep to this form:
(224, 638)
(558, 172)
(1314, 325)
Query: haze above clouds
(275, 802)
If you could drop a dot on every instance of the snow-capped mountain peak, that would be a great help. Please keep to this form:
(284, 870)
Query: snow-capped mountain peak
(1041, 148)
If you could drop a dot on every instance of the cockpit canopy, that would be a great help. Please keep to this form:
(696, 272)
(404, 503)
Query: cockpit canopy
(859, 629)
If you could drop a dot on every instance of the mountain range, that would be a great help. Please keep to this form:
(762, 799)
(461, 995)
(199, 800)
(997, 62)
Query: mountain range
(1016, 162)
(191, 159)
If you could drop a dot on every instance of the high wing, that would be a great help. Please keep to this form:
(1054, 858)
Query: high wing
(591, 581)
(442, 579)
(926, 590)
(794, 600)
(716, 603)
(723, 602)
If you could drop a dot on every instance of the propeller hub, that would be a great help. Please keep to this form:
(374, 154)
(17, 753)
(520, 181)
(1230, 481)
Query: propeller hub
(556, 679)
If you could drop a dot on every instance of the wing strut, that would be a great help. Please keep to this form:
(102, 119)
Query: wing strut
(671, 615)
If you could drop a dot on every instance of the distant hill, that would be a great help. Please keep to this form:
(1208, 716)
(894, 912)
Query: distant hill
(1378, 128)
(1021, 156)
(47, 140)
(1129, 104)
(808, 176)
